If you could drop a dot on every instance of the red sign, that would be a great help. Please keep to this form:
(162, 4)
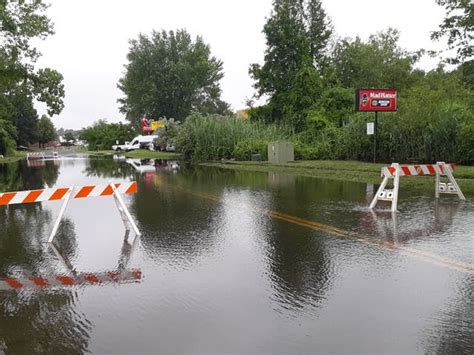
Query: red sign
(376, 100)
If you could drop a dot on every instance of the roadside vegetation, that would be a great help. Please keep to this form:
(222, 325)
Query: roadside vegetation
(309, 95)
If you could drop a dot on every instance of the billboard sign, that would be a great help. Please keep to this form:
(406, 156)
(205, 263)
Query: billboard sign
(376, 100)
(149, 125)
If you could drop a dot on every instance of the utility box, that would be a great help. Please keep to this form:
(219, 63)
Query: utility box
(280, 152)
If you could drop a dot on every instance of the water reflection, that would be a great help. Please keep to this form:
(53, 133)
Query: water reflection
(400, 228)
(453, 332)
(36, 321)
(222, 275)
(300, 267)
(18, 177)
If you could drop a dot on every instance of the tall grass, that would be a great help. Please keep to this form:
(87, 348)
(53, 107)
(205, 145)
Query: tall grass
(215, 137)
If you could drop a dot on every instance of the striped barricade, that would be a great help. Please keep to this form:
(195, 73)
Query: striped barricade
(394, 172)
(58, 194)
(36, 155)
(38, 282)
(82, 192)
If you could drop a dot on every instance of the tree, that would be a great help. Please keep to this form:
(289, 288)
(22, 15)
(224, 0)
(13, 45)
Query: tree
(46, 130)
(69, 136)
(23, 21)
(25, 118)
(168, 74)
(458, 26)
(102, 135)
(380, 62)
(7, 134)
(297, 34)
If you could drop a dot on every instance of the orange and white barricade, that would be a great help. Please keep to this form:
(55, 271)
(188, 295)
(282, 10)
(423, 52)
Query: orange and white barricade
(35, 156)
(67, 193)
(83, 279)
(440, 170)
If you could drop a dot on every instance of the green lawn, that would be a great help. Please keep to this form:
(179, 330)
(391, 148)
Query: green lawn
(12, 158)
(147, 154)
(350, 171)
(138, 154)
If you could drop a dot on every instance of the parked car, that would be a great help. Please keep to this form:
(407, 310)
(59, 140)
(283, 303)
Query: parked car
(139, 142)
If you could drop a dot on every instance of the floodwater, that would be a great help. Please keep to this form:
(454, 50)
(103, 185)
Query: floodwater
(232, 262)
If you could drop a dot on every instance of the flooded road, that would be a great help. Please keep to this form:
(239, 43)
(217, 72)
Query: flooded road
(233, 262)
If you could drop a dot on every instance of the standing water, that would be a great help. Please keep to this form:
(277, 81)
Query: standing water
(233, 262)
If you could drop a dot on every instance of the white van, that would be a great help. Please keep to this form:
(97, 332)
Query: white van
(136, 143)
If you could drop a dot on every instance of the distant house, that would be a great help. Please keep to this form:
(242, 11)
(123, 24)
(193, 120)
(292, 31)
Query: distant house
(243, 114)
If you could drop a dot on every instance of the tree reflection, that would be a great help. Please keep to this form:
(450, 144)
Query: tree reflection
(35, 321)
(108, 168)
(173, 225)
(454, 331)
(299, 264)
(18, 176)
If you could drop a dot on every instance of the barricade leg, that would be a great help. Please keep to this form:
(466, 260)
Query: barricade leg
(452, 180)
(61, 213)
(125, 211)
(396, 186)
(438, 178)
(376, 197)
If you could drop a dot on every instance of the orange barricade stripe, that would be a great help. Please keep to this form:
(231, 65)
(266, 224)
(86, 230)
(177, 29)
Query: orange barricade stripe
(6, 198)
(32, 196)
(58, 194)
(84, 192)
(132, 189)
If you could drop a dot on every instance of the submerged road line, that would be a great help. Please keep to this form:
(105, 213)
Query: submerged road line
(334, 231)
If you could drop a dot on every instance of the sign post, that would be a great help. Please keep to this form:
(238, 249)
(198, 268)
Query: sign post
(376, 100)
(375, 136)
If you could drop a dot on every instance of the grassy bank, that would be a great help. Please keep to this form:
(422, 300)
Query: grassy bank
(350, 171)
(137, 154)
(14, 157)
(146, 154)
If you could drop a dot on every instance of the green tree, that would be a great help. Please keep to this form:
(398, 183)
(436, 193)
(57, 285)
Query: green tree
(102, 135)
(7, 135)
(169, 74)
(380, 62)
(69, 136)
(46, 130)
(25, 118)
(458, 26)
(297, 34)
(22, 22)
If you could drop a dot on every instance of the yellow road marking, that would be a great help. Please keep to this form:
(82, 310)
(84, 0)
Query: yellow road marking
(419, 254)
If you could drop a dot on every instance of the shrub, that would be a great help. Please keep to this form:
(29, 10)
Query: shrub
(7, 138)
(244, 149)
(214, 137)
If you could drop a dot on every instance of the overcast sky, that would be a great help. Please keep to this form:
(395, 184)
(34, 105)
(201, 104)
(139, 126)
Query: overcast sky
(91, 41)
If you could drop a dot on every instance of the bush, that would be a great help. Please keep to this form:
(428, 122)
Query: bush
(466, 136)
(102, 135)
(244, 149)
(7, 138)
(168, 134)
(215, 137)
